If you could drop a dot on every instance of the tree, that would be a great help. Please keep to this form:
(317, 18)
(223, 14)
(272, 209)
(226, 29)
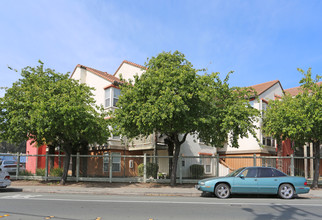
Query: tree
(172, 99)
(50, 108)
(298, 118)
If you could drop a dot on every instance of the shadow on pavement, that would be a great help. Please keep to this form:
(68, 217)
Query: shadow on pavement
(212, 195)
(11, 190)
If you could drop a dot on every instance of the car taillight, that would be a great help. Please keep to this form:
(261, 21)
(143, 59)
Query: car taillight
(7, 177)
(305, 184)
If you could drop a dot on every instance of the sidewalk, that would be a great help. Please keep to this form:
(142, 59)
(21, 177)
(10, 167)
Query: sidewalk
(187, 190)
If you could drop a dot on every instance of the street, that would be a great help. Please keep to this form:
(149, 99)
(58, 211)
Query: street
(19, 205)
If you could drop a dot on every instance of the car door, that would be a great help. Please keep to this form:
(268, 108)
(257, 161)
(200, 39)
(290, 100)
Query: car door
(267, 182)
(246, 182)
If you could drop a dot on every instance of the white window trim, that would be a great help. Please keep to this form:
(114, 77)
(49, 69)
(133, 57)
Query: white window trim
(106, 162)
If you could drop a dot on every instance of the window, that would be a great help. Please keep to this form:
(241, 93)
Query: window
(251, 103)
(265, 172)
(278, 173)
(116, 162)
(250, 173)
(116, 95)
(205, 160)
(268, 141)
(264, 107)
(111, 94)
(107, 97)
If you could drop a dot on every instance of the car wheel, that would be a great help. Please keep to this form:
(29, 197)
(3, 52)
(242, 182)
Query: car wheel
(222, 191)
(286, 191)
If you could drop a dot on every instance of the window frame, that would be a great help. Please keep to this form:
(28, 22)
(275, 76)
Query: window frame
(111, 99)
(106, 160)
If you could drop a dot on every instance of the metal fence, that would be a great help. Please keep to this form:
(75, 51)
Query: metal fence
(115, 167)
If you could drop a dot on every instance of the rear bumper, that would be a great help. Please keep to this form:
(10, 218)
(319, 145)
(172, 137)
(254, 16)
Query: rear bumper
(5, 183)
(302, 190)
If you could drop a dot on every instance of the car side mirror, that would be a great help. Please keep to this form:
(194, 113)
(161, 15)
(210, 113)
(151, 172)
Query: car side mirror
(242, 176)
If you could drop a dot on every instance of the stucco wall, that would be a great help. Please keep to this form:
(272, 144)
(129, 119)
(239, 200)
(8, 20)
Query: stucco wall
(128, 71)
(92, 80)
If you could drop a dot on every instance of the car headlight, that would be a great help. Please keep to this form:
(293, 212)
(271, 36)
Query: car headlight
(202, 183)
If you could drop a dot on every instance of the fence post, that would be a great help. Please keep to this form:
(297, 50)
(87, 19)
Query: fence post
(110, 164)
(77, 167)
(292, 165)
(254, 160)
(46, 170)
(18, 166)
(180, 168)
(217, 165)
(144, 170)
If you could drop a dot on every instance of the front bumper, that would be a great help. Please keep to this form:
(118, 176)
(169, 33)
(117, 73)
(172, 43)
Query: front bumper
(204, 188)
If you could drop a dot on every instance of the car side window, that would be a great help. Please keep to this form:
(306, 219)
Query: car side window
(265, 172)
(250, 173)
(278, 173)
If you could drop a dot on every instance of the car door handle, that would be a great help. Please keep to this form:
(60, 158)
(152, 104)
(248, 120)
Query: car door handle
(275, 179)
(255, 179)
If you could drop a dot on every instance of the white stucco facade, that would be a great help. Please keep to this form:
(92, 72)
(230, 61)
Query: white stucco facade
(250, 145)
(128, 70)
(92, 80)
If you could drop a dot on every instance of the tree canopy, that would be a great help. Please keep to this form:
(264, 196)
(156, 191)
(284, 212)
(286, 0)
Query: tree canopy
(50, 108)
(171, 98)
(298, 118)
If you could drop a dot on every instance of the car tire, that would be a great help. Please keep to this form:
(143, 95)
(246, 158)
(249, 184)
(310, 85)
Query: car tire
(222, 191)
(286, 191)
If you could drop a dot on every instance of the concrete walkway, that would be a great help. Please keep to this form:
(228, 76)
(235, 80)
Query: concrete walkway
(115, 189)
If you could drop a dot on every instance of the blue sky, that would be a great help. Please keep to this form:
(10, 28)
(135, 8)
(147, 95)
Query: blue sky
(260, 40)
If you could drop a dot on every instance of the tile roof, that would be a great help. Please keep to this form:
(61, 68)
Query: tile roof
(131, 63)
(104, 75)
(261, 88)
(296, 90)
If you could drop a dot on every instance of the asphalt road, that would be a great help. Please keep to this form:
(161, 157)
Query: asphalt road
(19, 205)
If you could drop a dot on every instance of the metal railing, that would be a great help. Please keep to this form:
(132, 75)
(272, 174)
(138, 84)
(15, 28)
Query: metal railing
(142, 168)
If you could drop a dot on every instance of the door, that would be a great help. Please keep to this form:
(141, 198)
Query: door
(267, 182)
(246, 182)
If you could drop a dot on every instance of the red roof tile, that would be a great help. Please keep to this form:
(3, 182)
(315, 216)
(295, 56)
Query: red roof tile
(261, 88)
(131, 63)
(104, 75)
(296, 90)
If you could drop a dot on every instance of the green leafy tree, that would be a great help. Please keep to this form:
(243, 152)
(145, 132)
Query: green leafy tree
(298, 118)
(172, 99)
(50, 108)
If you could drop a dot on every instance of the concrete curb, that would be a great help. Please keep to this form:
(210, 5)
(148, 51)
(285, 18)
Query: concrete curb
(168, 192)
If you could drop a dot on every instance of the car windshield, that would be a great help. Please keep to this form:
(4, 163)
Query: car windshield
(232, 174)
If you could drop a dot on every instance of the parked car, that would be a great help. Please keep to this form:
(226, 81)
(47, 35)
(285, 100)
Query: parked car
(10, 166)
(255, 180)
(4, 179)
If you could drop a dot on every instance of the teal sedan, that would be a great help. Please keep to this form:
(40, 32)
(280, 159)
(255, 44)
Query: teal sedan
(255, 180)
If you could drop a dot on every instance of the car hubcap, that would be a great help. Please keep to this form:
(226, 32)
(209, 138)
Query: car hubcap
(222, 191)
(287, 192)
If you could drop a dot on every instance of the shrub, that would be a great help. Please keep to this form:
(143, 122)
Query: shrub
(151, 169)
(25, 173)
(40, 172)
(196, 171)
(58, 172)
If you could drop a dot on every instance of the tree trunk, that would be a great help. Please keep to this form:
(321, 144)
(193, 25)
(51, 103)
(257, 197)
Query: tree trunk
(51, 151)
(66, 166)
(83, 160)
(316, 146)
(170, 154)
(74, 152)
(174, 164)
